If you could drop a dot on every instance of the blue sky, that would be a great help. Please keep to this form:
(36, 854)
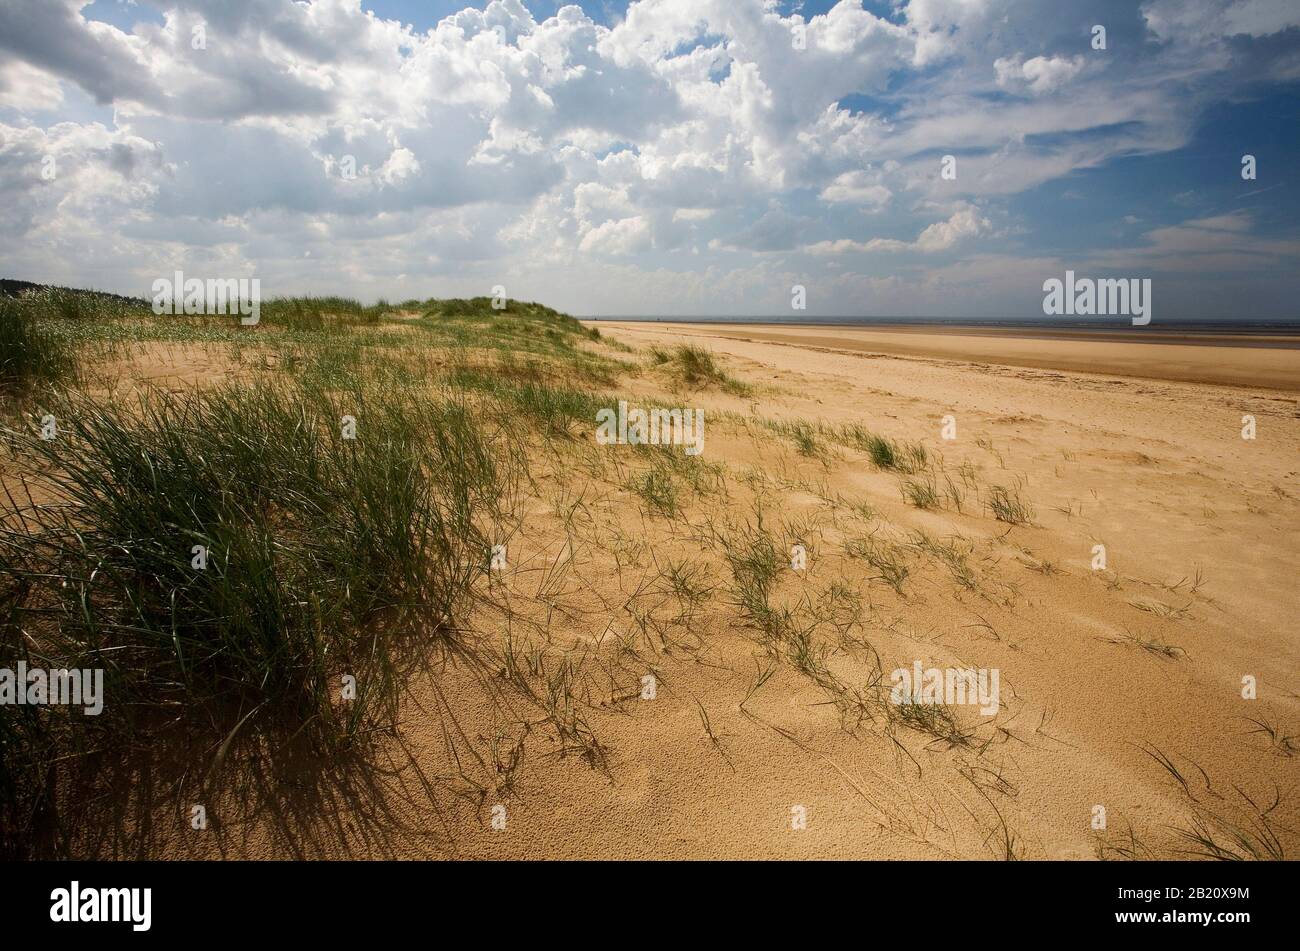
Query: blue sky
(674, 157)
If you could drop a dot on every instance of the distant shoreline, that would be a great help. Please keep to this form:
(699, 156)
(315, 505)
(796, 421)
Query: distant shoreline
(1286, 332)
(1258, 337)
(1256, 360)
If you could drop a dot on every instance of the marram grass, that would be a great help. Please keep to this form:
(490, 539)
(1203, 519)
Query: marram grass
(228, 552)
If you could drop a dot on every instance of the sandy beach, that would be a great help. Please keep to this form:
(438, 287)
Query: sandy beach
(1121, 729)
(1259, 360)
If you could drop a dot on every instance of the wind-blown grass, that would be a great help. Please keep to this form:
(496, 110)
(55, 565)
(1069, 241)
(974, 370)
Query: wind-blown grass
(657, 490)
(314, 313)
(885, 453)
(697, 367)
(899, 457)
(921, 491)
(324, 556)
(803, 434)
(557, 410)
(1007, 506)
(30, 351)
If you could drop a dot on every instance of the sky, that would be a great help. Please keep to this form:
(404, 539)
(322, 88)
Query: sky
(660, 157)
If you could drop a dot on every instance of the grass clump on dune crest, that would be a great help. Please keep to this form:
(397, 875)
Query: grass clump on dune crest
(695, 366)
(317, 313)
(516, 322)
(82, 306)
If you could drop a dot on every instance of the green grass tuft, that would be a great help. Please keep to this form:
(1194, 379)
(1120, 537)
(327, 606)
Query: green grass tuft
(697, 367)
(31, 352)
(326, 556)
(1007, 506)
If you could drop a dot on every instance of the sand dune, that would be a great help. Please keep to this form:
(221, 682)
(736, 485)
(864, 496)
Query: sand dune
(769, 746)
(652, 672)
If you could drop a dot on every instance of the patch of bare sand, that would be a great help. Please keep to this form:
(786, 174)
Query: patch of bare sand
(171, 366)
